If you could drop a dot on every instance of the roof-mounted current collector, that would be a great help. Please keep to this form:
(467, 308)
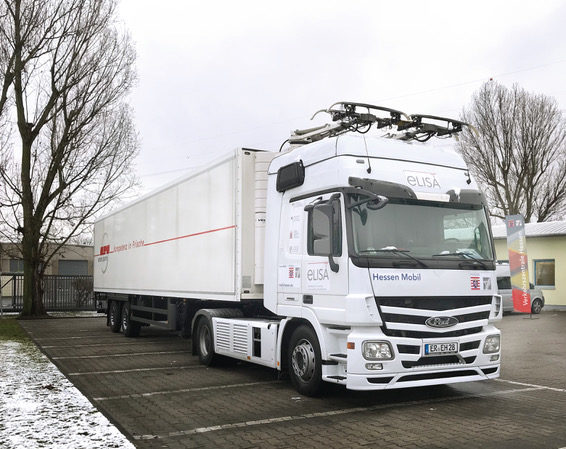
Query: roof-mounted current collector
(360, 117)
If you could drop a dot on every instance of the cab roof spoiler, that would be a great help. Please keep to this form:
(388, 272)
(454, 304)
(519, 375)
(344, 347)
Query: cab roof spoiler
(385, 188)
(395, 190)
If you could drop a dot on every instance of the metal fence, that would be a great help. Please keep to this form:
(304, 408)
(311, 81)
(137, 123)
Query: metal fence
(59, 292)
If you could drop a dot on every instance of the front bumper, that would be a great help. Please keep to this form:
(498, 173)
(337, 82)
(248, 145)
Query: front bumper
(410, 368)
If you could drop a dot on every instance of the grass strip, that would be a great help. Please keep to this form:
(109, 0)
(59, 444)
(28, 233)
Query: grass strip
(10, 329)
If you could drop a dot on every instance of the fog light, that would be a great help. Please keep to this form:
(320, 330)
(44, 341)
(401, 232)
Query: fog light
(491, 344)
(494, 358)
(377, 350)
(374, 366)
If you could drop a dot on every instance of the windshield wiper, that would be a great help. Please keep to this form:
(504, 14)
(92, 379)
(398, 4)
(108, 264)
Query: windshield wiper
(394, 250)
(473, 263)
(473, 260)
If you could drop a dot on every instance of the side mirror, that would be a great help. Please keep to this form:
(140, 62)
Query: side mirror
(379, 203)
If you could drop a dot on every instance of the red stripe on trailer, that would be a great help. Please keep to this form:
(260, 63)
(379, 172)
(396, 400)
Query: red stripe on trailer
(190, 235)
(178, 238)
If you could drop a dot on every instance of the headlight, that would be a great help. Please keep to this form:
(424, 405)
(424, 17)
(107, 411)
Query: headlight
(491, 344)
(377, 350)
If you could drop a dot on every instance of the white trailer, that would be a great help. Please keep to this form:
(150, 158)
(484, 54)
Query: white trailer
(352, 259)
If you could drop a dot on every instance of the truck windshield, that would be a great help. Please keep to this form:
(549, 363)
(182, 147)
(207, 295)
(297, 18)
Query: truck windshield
(422, 229)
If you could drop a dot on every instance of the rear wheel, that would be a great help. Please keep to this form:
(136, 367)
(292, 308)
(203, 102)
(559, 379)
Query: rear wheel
(305, 365)
(205, 342)
(115, 316)
(536, 306)
(129, 327)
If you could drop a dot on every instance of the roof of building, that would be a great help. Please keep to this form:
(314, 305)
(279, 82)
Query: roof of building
(544, 229)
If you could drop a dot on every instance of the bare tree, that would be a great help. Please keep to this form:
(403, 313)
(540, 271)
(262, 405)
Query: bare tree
(518, 154)
(66, 134)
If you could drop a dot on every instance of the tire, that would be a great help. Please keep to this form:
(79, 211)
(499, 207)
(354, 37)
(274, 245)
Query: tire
(115, 317)
(205, 342)
(536, 306)
(304, 361)
(129, 327)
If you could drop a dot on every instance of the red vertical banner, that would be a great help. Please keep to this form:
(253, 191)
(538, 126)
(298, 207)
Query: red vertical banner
(518, 262)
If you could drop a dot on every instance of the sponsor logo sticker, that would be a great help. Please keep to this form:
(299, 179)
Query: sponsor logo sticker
(289, 276)
(318, 276)
(475, 283)
(422, 179)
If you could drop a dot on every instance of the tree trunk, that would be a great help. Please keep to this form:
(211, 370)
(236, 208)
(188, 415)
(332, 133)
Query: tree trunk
(33, 272)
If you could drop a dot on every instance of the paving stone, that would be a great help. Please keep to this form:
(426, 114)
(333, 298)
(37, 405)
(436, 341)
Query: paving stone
(156, 392)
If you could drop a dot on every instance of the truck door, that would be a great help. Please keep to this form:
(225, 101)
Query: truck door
(325, 258)
(308, 278)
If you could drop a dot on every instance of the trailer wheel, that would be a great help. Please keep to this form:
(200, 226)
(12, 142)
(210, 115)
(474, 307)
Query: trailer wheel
(115, 316)
(305, 365)
(129, 327)
(205, 343)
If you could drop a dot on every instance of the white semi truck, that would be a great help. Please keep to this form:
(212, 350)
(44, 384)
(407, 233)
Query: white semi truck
(351, 258)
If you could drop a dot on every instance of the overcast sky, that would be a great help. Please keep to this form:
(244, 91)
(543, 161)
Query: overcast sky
(215, 75)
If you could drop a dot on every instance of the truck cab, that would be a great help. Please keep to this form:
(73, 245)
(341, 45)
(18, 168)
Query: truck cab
(383, 249)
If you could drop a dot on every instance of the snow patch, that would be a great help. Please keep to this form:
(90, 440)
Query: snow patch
(40, 408)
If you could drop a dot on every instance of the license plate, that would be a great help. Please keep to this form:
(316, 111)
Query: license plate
(440, 348)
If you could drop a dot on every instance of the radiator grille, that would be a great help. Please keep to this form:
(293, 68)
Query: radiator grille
(434, 302)
(423, 334)
(407, 316)
(416, 319)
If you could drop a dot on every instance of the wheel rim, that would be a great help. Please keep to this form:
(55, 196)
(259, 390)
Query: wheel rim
(204, 340)
(303, 360)
(125, 316)
(112, 315)
(537, 306)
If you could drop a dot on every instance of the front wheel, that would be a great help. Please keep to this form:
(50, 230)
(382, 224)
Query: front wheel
(305, 365)
(536, 306)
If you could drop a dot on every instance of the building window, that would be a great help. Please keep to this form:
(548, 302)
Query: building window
(73, 267)
(544, 273)
(16, 266)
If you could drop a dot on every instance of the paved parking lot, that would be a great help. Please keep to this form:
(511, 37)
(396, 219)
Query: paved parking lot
(156, 392)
